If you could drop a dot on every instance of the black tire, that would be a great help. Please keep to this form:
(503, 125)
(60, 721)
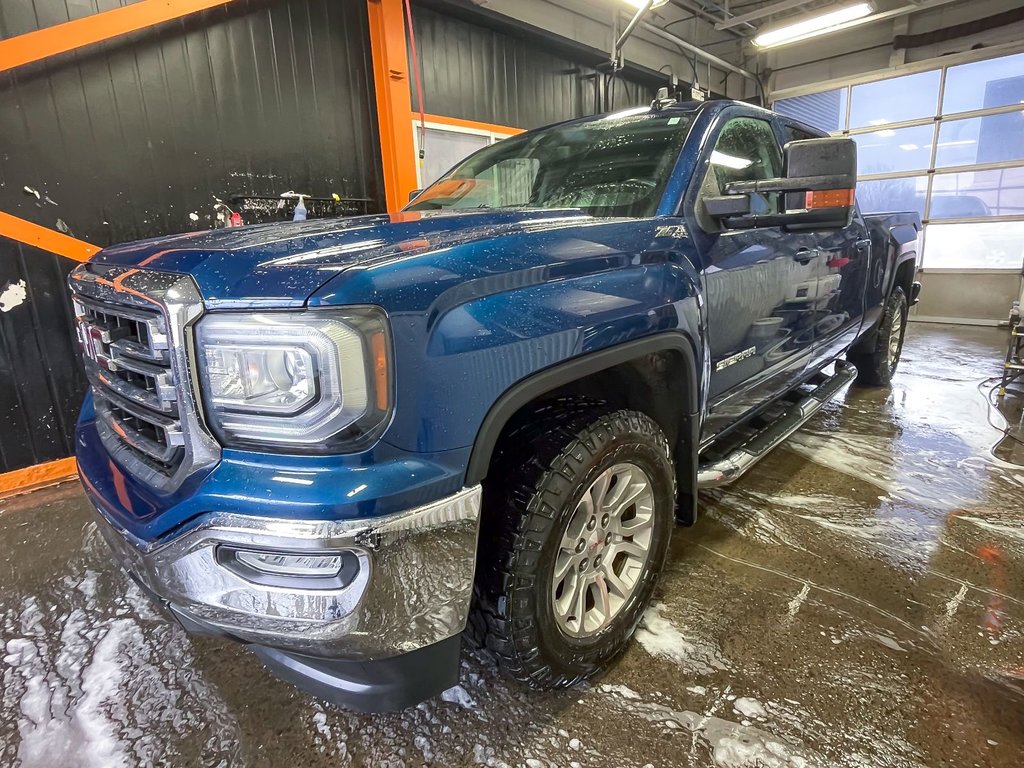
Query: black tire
(876, 367)
(539, 477)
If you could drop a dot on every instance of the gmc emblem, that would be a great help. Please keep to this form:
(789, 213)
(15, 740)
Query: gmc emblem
(95, 344)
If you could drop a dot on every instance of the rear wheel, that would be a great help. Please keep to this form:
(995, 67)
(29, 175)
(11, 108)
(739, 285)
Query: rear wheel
(581, 515)
(876, 368)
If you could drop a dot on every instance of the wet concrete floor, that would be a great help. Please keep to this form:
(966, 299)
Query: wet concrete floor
(857, 600)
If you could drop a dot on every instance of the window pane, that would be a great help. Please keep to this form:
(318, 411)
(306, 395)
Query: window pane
(889, 195)
(983, 84)
(890, 101)
(985, 245)
(991, 139)
(826, 110)
(978, 193)
(891, 151)
(443, 149)
(746, 150)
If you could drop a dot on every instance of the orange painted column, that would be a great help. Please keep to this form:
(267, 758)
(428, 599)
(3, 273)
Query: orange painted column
(394, 101)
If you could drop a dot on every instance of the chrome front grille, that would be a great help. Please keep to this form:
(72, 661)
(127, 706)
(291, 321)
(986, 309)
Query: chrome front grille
(135, 330)
(128, 364)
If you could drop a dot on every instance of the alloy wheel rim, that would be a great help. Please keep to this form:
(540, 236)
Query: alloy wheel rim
(894, 338)
(603, 551)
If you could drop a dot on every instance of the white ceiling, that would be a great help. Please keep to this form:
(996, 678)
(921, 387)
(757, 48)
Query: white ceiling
(725, 29)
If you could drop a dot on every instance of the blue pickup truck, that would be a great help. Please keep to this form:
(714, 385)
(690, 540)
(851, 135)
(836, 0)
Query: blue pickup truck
(340, 442)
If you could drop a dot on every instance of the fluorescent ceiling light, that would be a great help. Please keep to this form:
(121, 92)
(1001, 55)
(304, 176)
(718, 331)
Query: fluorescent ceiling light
(909, 147)
(886, 133)
(641, 3)
(813, 26)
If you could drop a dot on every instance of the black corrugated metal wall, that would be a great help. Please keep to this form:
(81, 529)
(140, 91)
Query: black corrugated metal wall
(134, 137)
(492, 75)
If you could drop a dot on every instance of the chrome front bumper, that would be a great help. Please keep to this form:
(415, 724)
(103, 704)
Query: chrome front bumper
(412, 588)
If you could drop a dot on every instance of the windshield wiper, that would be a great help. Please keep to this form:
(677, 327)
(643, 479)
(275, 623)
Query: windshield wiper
(503, 207)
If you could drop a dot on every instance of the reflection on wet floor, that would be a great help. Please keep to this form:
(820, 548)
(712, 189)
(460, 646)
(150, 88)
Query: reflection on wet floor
(856, 600)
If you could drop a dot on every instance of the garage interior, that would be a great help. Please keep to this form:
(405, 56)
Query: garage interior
(855, 600)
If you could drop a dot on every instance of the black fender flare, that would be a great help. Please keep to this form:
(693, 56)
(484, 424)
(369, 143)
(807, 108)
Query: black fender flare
(903, 258)
(548, 379)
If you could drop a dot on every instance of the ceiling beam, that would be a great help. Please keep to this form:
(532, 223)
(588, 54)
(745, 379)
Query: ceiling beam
(766, 10)
(704, 15)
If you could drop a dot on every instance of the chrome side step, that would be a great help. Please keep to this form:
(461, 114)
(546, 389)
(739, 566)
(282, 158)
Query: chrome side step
(726, 470)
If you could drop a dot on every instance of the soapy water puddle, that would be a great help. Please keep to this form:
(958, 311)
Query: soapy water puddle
(853, 602)
(93, 677)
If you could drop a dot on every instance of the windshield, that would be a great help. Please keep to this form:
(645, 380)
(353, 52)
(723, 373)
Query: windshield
(615, 166)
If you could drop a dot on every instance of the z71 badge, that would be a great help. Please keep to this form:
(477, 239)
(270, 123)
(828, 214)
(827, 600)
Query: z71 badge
(675, 230)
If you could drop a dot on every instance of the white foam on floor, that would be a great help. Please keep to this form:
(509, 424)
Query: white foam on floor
(93, 685)
(659, 637)
(731, 745)
(750, 708)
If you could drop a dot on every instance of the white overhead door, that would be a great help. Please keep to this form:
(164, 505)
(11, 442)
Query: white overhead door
(948, 143)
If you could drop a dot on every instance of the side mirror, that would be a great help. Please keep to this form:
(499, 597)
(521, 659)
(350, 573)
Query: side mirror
(414, 194)
(817, 190)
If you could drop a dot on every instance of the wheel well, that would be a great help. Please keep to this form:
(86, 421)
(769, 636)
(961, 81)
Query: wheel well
(658, 384)
(905, 276)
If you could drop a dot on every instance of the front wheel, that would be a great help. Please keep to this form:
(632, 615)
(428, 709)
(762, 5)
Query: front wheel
(876, 368)
(581, 517)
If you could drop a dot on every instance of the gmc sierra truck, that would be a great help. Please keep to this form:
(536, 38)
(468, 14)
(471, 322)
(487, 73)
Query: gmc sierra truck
(335, 440)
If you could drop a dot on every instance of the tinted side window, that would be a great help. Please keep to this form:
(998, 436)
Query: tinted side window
(746, 150)
(796, 134)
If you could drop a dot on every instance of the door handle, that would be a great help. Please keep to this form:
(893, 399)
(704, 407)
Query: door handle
(804, 255)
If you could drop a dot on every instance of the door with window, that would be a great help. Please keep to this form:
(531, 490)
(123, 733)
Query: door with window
(843, 270)
(761, 284)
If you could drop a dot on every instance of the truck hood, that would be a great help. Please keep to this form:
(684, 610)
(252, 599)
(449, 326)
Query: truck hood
(283, 264)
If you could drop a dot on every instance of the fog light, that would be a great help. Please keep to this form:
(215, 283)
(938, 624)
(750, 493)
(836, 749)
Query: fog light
(291, 565)
(292, 570)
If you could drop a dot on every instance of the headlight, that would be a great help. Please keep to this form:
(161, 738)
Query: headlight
(316, 380)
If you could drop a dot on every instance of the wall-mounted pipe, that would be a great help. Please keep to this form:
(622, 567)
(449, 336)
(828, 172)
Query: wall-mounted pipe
(696, 51)
(632, 25)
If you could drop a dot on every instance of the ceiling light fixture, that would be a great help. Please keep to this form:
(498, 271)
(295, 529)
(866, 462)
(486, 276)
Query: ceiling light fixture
(813, 26)
(642, 3)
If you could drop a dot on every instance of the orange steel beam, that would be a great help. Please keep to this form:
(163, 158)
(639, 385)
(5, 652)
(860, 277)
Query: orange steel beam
(45, 238)
(394, 101)
(61, 38)
(38, 476)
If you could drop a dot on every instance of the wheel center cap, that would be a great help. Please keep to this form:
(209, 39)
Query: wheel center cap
(596, 542)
